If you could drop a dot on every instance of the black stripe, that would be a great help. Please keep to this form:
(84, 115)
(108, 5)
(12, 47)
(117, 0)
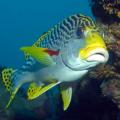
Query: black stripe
(75, 20)
(63, 28)
(67, 25)
(70, 21)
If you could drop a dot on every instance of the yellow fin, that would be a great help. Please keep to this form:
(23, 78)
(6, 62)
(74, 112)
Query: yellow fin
(34, 90)
(6, 78)
(66, 97)
(39, 54)
(36, 44)
(6, 75)
(12, 96)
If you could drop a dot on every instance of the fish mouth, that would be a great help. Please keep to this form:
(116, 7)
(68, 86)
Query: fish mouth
(98, 55)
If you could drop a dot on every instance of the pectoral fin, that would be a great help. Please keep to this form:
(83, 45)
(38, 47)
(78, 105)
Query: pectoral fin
(40, 54)
(66, 96)
(35, 90)
(36, 44)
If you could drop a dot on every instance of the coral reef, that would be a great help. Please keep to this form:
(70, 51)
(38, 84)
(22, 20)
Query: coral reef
(111, 88)
(112, 40)
(107, 14)
(106, 10)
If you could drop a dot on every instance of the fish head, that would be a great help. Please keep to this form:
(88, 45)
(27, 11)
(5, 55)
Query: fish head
(87, 51)
(95, 48)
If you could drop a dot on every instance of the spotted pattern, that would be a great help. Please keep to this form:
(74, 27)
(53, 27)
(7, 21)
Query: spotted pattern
(6, 75)
(33, 91)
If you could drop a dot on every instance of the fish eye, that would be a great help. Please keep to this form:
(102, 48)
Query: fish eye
(80, 32)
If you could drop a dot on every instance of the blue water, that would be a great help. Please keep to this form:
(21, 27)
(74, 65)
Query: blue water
(23, 21)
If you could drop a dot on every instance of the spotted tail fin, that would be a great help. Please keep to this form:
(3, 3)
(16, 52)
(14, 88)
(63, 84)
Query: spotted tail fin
(6, 75)
(6, 78)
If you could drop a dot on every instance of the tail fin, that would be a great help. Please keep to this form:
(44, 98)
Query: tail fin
(6, 75)
(6, 78)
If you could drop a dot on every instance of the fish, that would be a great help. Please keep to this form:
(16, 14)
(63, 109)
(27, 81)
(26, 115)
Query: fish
(63, 54)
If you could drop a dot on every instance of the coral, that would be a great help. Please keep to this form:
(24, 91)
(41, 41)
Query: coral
(114, 29)
(112, 40)
(103, 72)
(88, 104)
(110, 72)
(106, 10)
(107, 14)
(111, 88)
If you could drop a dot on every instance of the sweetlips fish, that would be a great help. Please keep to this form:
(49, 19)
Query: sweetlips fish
(63, 54)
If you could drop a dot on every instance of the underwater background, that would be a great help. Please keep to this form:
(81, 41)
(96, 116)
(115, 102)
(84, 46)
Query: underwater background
(22, 23)
(97, 96)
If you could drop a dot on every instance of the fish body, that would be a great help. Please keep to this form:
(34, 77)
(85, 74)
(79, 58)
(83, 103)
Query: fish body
(63, 54)
(59, 72)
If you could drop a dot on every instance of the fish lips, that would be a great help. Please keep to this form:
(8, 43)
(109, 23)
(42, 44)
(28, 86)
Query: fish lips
(99, 55)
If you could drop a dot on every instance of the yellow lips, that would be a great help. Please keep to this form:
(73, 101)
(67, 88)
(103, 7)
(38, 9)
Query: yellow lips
(85, 52)
(93, 42)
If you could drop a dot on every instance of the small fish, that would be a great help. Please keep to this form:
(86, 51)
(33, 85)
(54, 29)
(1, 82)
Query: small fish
(63, 54)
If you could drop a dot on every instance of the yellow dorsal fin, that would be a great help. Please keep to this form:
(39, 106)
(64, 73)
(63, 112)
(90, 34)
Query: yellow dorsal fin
(39, 54)
(35, 91)
(36, 44)
(66, 97)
